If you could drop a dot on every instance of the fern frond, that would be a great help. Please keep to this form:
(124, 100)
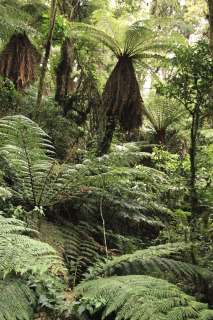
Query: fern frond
(20, 253)
(28, 151)
(164, 8)
(17, 300)
(92, 32)
(134, 263)
(138, 298)
(162, 113)
(137, 32)
(130, 41)
(76, 244)
(13, 19)
(131, 189)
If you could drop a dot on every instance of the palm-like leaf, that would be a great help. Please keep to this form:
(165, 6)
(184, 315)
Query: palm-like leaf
(128, 188)
(28, 151)
(92, 32)
(165, 8)
(141, 39)
(136, 38)
(164, 262)
(24, 258)
(124, 264)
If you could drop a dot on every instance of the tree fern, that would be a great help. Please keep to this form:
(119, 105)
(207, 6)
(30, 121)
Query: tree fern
(136, 43)
(162, 114)
(137, 298)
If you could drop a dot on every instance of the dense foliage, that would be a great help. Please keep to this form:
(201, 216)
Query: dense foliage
(106, 170)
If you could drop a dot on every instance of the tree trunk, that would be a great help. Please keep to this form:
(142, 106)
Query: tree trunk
(161, 136)
(210, 6)
(47, 53)
(64, 70)
(64, 83)
(193, 165)
(106, 135)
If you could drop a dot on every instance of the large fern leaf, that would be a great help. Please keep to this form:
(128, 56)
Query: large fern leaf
(76, 244)
(20, 253)
(164, 262)
(122, 184)
(27, 150)
(137, 298)
(126, 187)
(132, 40)
(134, 263)
(38, 179)
(16, 300)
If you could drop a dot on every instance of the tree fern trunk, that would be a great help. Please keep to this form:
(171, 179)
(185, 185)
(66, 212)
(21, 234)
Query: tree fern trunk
(161, 136)
(105, 141)
(64, 69)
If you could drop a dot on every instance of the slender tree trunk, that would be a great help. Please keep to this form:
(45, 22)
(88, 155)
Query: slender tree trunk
(47, 53)
(106, 135)
(193, 164)
(210, 6)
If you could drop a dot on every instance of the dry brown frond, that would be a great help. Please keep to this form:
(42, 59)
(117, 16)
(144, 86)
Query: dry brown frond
(18, 60)
(121, 97)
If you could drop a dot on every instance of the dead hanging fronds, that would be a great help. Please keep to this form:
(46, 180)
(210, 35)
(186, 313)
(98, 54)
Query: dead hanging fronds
(18, 61)
(122, 102)
(121, 96)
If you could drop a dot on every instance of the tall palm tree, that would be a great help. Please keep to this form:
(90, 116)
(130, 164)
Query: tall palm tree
(121, 100)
